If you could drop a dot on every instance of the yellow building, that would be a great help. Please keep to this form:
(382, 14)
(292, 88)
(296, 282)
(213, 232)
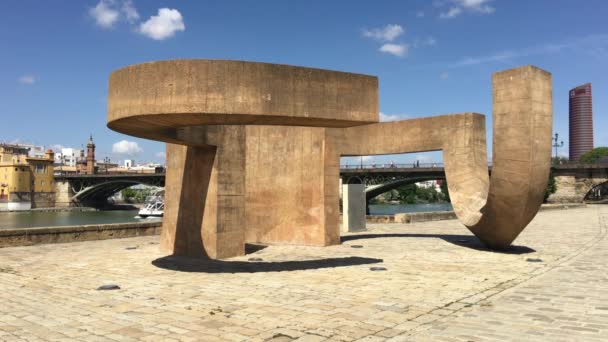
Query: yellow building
(25, 182)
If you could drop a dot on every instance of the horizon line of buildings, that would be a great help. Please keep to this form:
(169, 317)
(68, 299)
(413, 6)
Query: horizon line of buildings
(27, 172)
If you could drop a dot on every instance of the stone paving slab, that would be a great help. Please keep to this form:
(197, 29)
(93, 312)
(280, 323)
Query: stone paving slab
(439, 284)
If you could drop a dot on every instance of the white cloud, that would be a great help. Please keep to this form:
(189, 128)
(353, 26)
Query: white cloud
(444, 76)
(27, 79)
(473, 6)
(161, 155)
(451, 13)
(108, 12)
(164, 25)
(124, 147)
(399, 50)
(594, 45)
(129, 11)
(57, 147)
(476, 5)
(420, 14)
(105, 13)
(424, 42)
(386, 34)
(392, 117)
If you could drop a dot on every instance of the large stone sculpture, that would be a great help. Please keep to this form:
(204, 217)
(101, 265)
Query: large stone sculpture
(253, 149)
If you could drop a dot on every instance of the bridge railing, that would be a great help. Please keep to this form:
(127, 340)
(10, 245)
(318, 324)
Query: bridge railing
(109, 173)
(392, 166)
(375, 166)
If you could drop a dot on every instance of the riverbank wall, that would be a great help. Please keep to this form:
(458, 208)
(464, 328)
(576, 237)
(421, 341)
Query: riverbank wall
(65, 234)
(46, 235)
(449, 215)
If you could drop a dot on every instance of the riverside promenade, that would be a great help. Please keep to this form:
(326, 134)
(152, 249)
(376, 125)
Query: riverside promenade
(435, 283)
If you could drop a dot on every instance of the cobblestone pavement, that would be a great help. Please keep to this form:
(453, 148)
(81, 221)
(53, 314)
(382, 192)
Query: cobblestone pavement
(439, 284)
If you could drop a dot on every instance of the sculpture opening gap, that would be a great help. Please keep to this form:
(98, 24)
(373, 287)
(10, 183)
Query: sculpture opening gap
(379, 178)
(253, 149)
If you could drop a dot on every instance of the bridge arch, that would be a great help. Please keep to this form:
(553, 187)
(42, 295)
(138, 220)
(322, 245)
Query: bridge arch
(375, 190)
(94, 190)
(354, 180)
(98, 194)
(598, 192)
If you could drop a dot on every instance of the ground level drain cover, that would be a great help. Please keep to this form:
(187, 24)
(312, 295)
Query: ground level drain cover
(534, 260)
(108, 287)
(377, 268)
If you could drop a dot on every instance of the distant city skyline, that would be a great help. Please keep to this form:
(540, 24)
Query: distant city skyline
(431, 57)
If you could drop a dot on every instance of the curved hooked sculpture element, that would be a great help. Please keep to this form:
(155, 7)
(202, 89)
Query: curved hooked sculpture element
(495, 209)
(248, 133)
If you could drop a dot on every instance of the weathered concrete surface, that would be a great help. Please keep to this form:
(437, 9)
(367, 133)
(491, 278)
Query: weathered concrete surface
(286, 202)
(497, 209)
(155, 99)
(440, 284)
(245, 169)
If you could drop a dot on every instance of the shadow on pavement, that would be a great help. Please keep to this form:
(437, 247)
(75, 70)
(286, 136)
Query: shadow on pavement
(186, 264)
(468, 241)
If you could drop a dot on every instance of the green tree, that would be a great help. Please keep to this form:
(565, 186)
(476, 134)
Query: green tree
(407, 193)
(551, 187)
(558, 160)
(444, 191)
(594, 155)
(128, 194)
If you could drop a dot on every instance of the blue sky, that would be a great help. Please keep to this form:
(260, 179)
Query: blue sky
(431, 57)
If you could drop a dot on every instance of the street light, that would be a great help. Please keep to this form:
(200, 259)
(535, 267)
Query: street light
(556, 145)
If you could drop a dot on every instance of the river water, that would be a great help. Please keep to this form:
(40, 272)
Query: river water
(30, 219)
(391, 209)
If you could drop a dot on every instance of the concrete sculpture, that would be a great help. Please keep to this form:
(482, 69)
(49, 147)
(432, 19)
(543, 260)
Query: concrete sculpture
(253, 149)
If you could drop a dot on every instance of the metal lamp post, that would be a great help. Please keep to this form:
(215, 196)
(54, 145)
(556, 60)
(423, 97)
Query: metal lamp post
(557, 145)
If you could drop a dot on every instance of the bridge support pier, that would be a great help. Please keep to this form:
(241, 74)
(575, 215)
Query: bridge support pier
(354, 207)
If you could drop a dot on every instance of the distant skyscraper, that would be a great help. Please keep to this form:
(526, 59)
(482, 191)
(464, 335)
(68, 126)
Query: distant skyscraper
(581, 121)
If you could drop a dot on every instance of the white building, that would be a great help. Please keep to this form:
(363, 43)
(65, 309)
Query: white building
(129, 163)
(35, 151)
(68, 156)
(146, 168)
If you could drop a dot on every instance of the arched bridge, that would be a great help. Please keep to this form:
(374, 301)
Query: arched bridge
(379, 179)
(575, 182)
(94, 190)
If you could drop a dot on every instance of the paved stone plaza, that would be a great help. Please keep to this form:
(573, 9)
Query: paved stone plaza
(439, 284)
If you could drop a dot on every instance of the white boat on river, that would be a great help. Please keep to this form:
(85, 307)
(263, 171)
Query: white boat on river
(154, 207)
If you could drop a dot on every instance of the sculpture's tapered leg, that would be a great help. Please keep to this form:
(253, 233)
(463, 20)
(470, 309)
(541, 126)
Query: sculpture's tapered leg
(205, 193)
(186, 187)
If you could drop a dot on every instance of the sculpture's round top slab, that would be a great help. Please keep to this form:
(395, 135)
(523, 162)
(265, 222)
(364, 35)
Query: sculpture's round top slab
(152, 100)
